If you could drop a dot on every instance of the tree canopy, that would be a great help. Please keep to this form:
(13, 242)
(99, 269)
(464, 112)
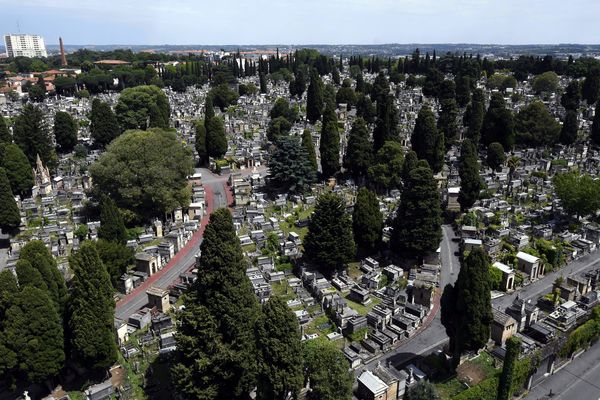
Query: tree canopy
(65, 131)
(10, 217)
(535, 126)
(104, 126)
(579, 194)
(31, 134)
(498, 123)
(143, 107)
(468, 169)
(290, 167)
(385, 174)
(427, 141)
(327, 369)
(367, 221)
(359, 153)
(495, 156)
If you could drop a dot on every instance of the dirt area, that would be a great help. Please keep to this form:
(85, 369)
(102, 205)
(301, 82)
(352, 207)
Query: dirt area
(118, 375)
(470, 373)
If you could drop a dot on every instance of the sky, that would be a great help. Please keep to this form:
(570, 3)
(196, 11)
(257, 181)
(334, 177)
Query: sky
(248, 22)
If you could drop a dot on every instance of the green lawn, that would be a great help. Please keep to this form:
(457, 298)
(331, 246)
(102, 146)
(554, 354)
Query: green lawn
(283, 290)
(449, 388)
(363, 310)
(313, 326)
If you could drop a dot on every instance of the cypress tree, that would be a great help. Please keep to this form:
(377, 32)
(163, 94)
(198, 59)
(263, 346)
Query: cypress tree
(329, 243)
(470, 181)
(8, 290)
(590, 89)
(200, 143)
(417, 226)
(309, 146)
(104, 126)
(505, 386)
(367, 221)
(10, 217)
(280, 352)
(91, 311)
(29, 276)
(463, 90)
(595, 132)
(17, 168)
(112, 226)
(495, 156)
(314, 98)
(31, 134)
(216, 141)
(65, 131)
(427, 141)
(474, 116)
(448, 122)
(216, 349)
(572, 96)
(386, 124)
(40, 258)
(263, 83)
(330, 143)
(34, 332)
(386, 173)
(209, 109)
(359, 153)
(568, 133)
(498, 123)
(327, 369)
(5, 136)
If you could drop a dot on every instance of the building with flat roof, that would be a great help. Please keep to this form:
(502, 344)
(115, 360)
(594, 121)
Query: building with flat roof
(22, 45)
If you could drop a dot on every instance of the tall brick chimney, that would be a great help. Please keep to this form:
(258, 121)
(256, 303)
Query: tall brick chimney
(63, 57)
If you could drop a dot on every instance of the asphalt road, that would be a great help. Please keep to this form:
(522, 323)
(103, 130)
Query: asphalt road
(542, 286)
(579, 380)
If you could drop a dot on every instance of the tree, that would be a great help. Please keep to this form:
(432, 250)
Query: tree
(5, 136)
(65, 131)
(579, 194)
(329, 243)
(546, 82)
(31, 134)
(426, 141)
(143, 107)
(572, 96)
(387, 172)
(590, 89)
(263, 83)
(29, 276)
(280, 352)
(466, 306)
(463, 90)
(470, 181)
(145, 172)
(346, 94)
(498, 123)
(216, 349)
(359, 153)
(216, 141)
(505, 386)
(10, 217)
(570, 127)
(116, 257)
(36, 93)
(418, 221)
(474, 116)
(8, 289)
(386, 124)
(200, 142)
(423, 390)
(104, 126)
(314, 98)
(495, 156)
(223, 96)
(309, 146)
(91, 311)
(535, 126)
(595, 131)
(40, 258)
(365, 109)
(17, 168)
(112, 226)
(282, 108)
(209, 109)
(367, 221)
(448, 122)
(330, 143)
(290, 167)
(33, 331)
(328, 371)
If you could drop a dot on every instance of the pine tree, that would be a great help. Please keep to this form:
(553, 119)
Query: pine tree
(17, 168)
(327, 369)
(216, 349)
(448, 122)
(470, 181)
(426, 141)
(31, 134)
(309, 146)
(216, 141)
(29, 276)
(10, 217)
(200, 143)
(91, 311)
(367, 221)
(498, 123)
(329, 243)
(410, 162)
(65, 131)
(386, 173)
(505, 386)
(359, 153)
(595, 132)
(418, 222)
(280, 352)
(330, 143)
(40, 258)
(5, 136)
(314, 98)
(568, 133)
(33, 330)
(386, 124)
(104, 127)
(474, 116)
(112, 226)
(290, 168)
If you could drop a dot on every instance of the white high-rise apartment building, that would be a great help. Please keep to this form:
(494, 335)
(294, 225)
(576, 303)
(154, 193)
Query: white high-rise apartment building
(25, 46)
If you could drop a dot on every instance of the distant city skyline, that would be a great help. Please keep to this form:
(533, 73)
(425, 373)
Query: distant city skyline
(188, 22)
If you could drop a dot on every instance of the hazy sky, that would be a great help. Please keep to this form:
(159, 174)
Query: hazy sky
(304, 21)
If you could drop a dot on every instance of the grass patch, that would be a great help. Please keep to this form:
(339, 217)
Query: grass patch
(449, 388)
(317, 326)
(283, 290)
(361, 309)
